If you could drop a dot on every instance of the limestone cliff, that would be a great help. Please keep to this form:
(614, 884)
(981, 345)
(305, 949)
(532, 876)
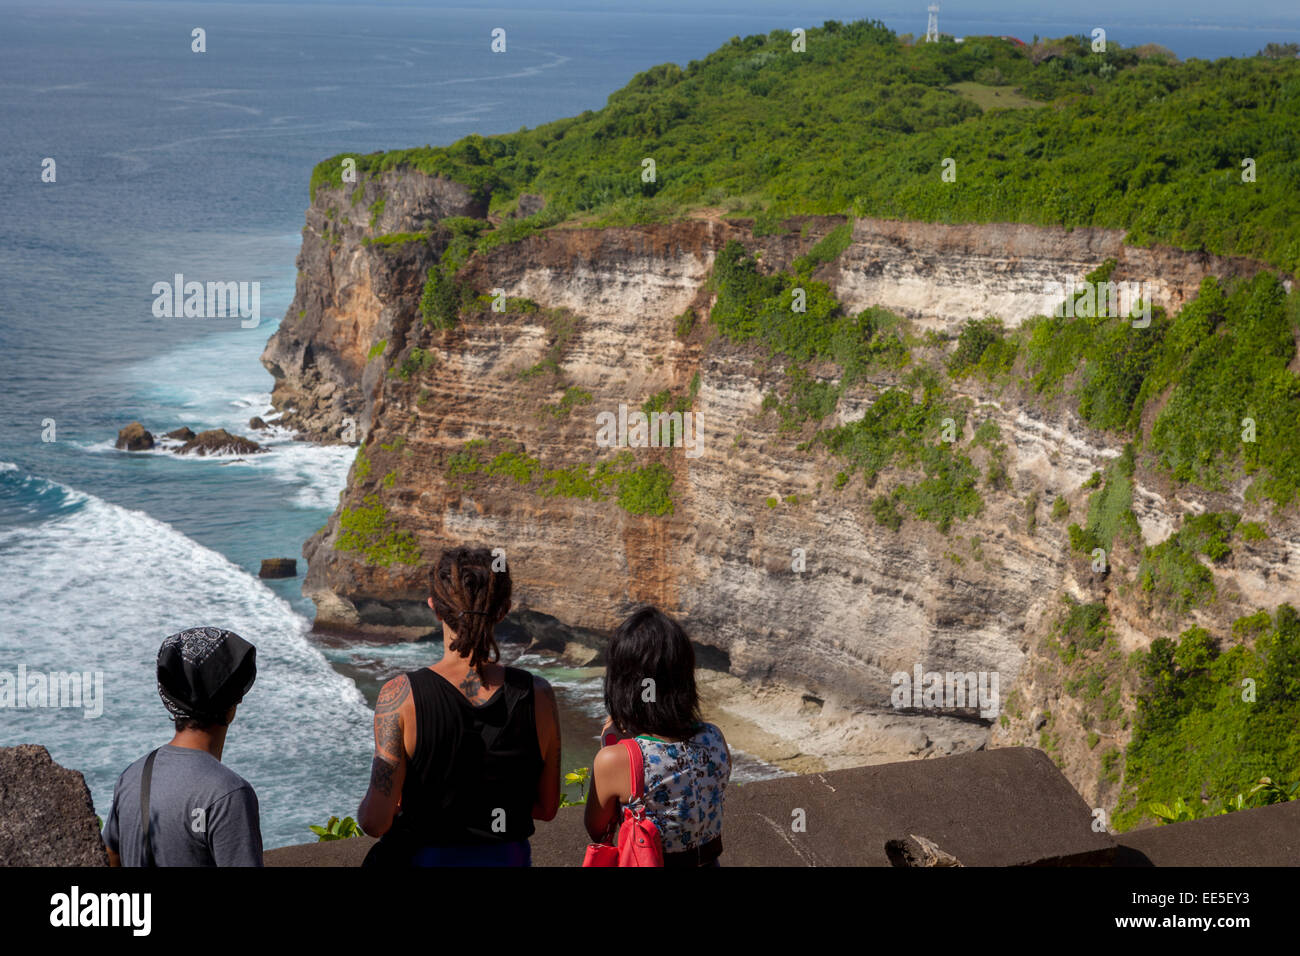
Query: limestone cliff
(594, 320)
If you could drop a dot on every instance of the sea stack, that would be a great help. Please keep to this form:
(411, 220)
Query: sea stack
(278, 568)
(134, 437)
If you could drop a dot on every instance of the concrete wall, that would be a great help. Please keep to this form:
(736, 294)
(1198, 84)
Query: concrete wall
(1006, 807)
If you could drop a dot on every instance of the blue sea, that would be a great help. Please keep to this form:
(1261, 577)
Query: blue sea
(169, 161)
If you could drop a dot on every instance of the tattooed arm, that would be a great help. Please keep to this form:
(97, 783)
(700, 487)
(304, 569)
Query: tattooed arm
(388, 770)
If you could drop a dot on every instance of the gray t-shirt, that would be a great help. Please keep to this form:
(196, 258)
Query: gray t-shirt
(202, 813)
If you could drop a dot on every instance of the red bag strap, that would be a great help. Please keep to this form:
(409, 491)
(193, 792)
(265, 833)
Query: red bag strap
(637, 768)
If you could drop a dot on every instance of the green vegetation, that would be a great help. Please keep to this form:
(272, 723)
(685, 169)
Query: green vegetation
(336, 829)
(1218, 373)
(646, 491)
(1081, 628)
(362, 464)
(442, 299)
(417, 360)
(988, 97)
(370, 531)
(376, 350)
(1092, 671)
(1263, 794)
(753, 307)
(395, 238)
(684, 324)
(778, 133)
(884, 509)
(1172, 570)
(664, 402)
(376, 210)
(572, 398)
(1234, 406)
(1110, 508)
(638, 490)
(1199, 730)
(984, 348)
(827, 250)
(1060, 509)
(900, 431)
(579, 777)
(1252, 531)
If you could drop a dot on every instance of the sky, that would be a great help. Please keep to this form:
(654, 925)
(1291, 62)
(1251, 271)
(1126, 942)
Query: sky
(1254, 13)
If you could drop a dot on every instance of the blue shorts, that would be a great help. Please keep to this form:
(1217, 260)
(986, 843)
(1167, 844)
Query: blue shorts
(519, 853)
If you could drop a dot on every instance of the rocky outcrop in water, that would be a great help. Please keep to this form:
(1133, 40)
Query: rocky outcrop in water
(134, 437)
(278, 568)
(218, 441)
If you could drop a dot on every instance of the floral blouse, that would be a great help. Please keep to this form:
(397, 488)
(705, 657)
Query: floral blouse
(685, 783)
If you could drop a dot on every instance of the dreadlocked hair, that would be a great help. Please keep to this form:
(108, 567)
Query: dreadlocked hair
(470, 597)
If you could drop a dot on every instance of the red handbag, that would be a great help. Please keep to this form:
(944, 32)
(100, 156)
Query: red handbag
(639, 843)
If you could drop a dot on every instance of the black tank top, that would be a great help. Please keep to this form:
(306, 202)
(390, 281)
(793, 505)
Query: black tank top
(473, 777)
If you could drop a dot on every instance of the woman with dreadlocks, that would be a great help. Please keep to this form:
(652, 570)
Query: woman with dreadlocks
(467, 750)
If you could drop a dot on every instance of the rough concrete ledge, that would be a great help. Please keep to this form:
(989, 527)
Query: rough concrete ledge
(1267, 836)
(1007, 807)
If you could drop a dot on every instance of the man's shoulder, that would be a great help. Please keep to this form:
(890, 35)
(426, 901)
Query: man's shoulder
(206, 772)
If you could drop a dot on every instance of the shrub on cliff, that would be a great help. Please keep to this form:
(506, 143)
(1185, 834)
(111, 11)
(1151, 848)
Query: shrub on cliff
(1196, 732)
(443, 297)
(647, 491)
(1172, 572)
(370, 531)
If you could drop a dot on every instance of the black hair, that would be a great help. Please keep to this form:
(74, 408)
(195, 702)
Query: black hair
(651, 645)
(197, 723)
(210, 722)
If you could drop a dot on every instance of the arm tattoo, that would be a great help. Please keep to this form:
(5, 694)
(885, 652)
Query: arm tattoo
(390, 750)
(388, 736)
(393, 695)
(381, 776)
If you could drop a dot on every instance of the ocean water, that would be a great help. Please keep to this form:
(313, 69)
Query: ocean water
(170, 161)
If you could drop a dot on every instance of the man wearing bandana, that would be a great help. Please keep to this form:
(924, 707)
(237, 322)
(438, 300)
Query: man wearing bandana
(179, 806)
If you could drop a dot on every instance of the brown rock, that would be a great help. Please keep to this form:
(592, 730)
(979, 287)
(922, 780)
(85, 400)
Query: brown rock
(218, 441)
(134, 437)
(529, 205)
(181, 434)
(46, 815)
(256, 423)
(278, 568)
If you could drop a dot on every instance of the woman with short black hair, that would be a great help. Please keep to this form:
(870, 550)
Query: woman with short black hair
(651, 697)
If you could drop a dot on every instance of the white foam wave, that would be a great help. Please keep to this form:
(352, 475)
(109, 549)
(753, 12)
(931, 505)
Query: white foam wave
(98, 589)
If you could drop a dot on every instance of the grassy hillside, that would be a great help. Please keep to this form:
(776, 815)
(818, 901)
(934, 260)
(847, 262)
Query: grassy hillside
(861, 123)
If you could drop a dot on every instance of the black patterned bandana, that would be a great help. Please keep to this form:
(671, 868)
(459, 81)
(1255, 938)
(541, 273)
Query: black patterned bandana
(202, 672)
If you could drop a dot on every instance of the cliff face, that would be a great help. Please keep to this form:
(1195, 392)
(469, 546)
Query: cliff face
(808, 653)
(350, 296)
